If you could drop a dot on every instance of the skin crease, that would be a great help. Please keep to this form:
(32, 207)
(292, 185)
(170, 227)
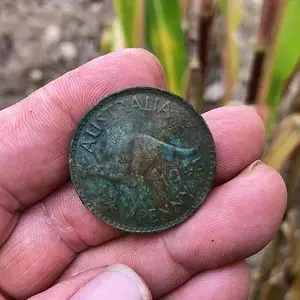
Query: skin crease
(53, 247)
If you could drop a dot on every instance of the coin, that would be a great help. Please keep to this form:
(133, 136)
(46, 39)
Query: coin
(142, 160)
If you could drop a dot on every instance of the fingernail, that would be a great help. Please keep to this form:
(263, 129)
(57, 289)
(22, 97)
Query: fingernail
(254, 165)
(116, 282)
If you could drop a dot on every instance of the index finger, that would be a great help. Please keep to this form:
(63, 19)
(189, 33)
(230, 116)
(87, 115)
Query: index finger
(35, 133)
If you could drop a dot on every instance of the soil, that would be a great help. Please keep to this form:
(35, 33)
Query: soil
(42, 39)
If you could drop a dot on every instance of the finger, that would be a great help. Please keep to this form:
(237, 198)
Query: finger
(113, 283)
(46, 239)
(61, 224)
(238, 219)
(231, 282)
(239, 138)
(35, 133)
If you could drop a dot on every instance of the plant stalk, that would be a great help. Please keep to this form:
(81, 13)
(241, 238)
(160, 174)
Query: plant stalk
(293, 179)
(262, 95)
(264, 38)
(230, 54)
(291, 78)
(185, 9)
(255, 77)
(206, 16)
(194, 90)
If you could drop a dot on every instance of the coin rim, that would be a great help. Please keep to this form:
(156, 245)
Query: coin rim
(180, 219)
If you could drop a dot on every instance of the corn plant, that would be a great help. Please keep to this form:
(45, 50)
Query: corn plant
(155, 25)
(232, 12)
(162, 27)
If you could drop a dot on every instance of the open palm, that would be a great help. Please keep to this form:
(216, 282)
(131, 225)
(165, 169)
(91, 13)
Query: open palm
(52, 247)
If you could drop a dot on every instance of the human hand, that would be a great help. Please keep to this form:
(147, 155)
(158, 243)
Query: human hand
(52, 247)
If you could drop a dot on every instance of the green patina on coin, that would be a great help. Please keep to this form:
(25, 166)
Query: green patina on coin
(142, 160)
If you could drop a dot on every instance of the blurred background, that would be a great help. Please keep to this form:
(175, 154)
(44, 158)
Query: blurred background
(215, 53)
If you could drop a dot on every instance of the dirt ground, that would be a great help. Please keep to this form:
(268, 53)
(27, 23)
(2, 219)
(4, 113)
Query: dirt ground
(42, 39)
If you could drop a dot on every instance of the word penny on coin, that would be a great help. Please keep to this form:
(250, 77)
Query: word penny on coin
(142, 160)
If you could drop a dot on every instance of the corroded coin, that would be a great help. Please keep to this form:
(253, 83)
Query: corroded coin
(142, 160)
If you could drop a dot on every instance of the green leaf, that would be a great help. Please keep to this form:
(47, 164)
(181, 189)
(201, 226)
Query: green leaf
(130, 14)
(287, 55)
(222, 6)
(112, 38)
(288, 51)
(165, 38)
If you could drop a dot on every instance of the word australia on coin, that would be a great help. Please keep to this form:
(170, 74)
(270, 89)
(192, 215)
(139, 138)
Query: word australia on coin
(142, 160)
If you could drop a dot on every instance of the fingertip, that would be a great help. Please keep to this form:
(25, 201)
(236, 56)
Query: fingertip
(276, 187)
(154, 65)
(134, 278)
(265, 200)
(239, 137)
(138, 65)
(115, 282)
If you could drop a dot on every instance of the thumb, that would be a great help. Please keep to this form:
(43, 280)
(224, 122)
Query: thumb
(114, 283)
